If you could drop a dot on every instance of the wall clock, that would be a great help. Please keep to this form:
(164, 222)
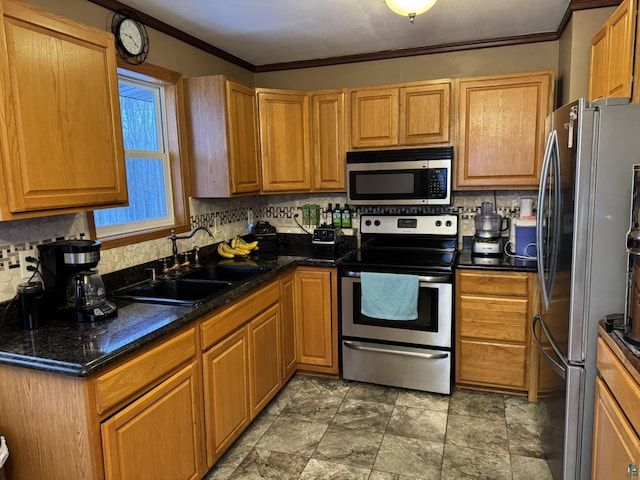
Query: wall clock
(132, 41)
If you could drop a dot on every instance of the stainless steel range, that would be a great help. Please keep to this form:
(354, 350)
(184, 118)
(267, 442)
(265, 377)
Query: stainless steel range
(411, 352)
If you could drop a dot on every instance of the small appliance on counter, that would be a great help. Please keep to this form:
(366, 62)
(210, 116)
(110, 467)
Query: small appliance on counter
(267, 237)
(326, 238)
(488, 239)
(72, 285)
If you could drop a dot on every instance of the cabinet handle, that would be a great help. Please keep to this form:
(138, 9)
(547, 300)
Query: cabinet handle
(430, 356)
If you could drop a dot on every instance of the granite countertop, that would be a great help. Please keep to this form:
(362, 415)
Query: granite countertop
(504, 262)
(82, 349)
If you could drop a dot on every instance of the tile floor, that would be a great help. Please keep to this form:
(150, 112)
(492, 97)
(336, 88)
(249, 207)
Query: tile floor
(320, 428)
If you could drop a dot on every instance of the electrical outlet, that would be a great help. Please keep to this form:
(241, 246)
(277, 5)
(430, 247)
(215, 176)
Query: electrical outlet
(23, 254)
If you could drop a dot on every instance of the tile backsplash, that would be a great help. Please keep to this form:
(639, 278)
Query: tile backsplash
(225, 218)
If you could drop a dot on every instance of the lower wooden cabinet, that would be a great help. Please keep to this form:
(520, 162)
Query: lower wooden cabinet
(287, 326)
(316, 319)
(493, 317)
(171, 410)
(147, 439)
(226, 393)
(616, 420)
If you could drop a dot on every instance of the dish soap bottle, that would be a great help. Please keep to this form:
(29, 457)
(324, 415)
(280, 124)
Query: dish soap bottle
(346, 217)
(337, 216)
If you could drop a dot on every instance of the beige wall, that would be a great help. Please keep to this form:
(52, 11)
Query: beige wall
(486, 61)
(164, 50)
(575, 50)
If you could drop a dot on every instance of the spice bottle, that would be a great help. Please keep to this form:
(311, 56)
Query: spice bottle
(346, 217)
(337, 216)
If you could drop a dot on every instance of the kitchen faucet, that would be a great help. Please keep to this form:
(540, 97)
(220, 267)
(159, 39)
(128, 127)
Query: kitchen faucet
(174, 238)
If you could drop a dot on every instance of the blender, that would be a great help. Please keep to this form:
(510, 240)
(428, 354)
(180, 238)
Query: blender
(488, 239)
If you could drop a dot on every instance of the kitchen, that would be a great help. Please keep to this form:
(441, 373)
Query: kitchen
(568, 56)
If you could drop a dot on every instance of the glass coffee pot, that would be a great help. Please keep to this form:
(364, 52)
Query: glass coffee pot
(86, 296)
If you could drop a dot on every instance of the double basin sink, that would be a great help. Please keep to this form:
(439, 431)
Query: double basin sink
(191, 288)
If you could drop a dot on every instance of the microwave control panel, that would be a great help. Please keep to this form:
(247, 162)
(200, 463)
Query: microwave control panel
(437, 183)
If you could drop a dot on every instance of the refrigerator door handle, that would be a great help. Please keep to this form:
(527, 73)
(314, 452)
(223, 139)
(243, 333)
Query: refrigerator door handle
(542, 193)
(559, 368)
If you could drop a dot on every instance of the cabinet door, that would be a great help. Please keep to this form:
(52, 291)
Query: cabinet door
(61, 141)
(264, 358)
(494, 364)
(425, 114)
(621, 31)
(148, 439)
(374, 117)
(315, 296)
(287, 325)
(284, 140)
(242, 134)
(501, 131)
(615, 443)
(599, 74)
(328, 140)
(226, 393)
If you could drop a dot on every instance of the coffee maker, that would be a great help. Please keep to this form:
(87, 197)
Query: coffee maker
(488, 239)
(72, 285)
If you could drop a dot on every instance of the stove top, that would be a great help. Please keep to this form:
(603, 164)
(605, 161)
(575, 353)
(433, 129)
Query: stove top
(406, 243)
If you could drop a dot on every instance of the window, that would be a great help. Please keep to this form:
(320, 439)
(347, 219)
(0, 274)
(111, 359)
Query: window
(150, 113)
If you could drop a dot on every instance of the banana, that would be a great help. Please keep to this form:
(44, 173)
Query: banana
(248, 246)
(222, 252)
(235, 242)
(234, 251)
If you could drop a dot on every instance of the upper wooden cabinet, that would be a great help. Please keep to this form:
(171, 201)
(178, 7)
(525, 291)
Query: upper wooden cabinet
(60, 131)
(612, 50)
(328, 140)
(501, 132)
(284, 140)
(399, 115)
(223, 137)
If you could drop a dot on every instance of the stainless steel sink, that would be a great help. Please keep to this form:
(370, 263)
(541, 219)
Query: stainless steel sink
(191, 288)
(178, 291)
(224, 273)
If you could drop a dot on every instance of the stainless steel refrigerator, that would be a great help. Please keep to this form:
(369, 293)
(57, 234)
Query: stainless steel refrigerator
(582, 221)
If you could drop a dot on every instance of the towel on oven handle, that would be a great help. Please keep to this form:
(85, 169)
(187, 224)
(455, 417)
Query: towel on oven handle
(389, 296)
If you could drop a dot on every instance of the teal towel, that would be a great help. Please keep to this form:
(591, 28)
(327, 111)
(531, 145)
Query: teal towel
(389, 296)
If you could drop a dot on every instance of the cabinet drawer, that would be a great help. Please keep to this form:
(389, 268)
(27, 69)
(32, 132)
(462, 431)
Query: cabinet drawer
(491, 364)
(229, 319)
(488, 283)
(624, 388)
(145, 370)
(495, 318)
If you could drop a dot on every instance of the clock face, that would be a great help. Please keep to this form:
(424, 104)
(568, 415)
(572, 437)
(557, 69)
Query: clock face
(131, 36)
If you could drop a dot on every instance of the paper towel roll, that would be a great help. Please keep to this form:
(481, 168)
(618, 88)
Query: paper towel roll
(526, 207)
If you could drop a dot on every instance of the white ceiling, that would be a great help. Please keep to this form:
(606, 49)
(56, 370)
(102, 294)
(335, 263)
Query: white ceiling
(264, 32)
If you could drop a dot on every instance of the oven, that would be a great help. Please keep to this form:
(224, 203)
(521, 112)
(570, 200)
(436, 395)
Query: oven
(416, 353)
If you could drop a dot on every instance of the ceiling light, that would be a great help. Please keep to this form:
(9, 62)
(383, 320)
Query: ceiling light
(410, 8)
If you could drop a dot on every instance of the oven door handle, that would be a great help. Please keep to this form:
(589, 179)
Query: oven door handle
(423, 278)
(430, 356)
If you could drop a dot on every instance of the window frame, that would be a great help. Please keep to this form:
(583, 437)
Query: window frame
(176, 147)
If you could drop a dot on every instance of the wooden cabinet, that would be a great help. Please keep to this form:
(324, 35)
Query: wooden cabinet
(147, 439)
(328, 140)
(612, 51)
(287, 326)
(316, 319)
(284, 140)
(616, 418)
(226, 393)
(493, 317)
(265, 377)
(61, 144)
(501, 122)
(400, 115)
(223, 133)
(241, 366)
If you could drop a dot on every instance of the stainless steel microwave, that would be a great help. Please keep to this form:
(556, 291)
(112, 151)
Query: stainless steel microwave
(416, 176)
